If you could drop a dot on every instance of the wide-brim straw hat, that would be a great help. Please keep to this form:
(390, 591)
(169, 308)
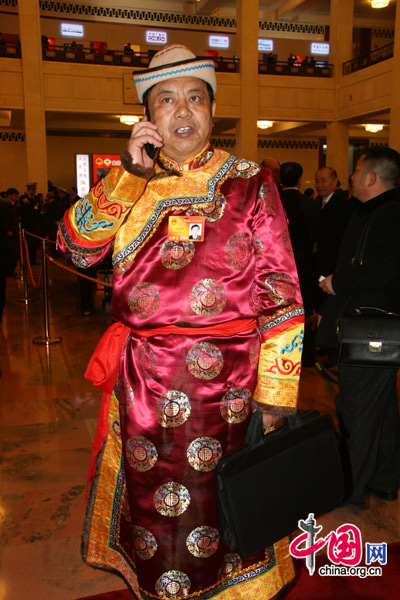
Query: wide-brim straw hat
(172, 62)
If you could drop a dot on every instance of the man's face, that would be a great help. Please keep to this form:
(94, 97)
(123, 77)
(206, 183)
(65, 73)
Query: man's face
(182, 110)
(359, 180)
(31, 191)
(325, 184)
(274, 165)
(13, 197)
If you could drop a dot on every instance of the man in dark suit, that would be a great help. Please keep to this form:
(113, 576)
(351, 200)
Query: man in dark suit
(367, 404)
(302, 214)
(335, 213)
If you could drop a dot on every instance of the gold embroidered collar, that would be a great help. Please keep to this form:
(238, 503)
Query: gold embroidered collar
(164, 162)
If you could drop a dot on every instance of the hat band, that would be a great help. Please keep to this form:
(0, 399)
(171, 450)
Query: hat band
(173, 71)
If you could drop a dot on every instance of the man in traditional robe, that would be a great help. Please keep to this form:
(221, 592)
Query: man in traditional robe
(205, 333)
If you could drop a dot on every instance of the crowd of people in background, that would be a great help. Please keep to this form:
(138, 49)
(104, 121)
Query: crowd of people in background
(38, 214)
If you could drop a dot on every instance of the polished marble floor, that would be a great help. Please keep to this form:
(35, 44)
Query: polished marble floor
(47, 415)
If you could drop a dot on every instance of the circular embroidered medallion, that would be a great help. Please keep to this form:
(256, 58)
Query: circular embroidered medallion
(270, 198)
(173, 409)
(257, 244)
(176, 255)
(232, 563)
(204, 360)
(126, 397)
(243, 165)
(141, 453)
(144, 542)
(80, 261)
(207, 297)
(280, 288)
(238, 250)
(254, 299)
(203, 453)
(202, 542)
(147, 360)
(254, 352)
(212, 211)
(246, 169)
(144, 300)
(171, 499)
(235, 405)
(173, 584)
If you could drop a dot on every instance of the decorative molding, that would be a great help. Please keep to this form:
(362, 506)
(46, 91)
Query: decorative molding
(139, 16)
(387, 34)
(282, 144)
(163, 18)
(9, 3)
(286, 27)
(12, 136)
(289, 144)
(223, 142)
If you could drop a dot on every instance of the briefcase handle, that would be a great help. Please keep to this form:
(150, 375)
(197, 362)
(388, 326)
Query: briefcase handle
(369, 309)
(255, 434)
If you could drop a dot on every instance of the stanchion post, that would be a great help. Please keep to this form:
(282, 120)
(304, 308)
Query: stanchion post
(46, 339)
(21, 253)
(25, 299)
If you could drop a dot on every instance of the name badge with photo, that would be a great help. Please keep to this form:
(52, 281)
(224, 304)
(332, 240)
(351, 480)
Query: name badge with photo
(185, 228)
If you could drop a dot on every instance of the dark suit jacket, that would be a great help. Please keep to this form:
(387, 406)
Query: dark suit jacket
(333, 221)
(300, 228)
(377, 281)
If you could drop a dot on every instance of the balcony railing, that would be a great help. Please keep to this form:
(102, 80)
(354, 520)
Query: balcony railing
(78, 54)
(10, 50)
(366, 60)
(285, 68)
(67, 53)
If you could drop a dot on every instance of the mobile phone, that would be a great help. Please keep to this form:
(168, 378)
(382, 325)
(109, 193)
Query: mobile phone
(151, 150)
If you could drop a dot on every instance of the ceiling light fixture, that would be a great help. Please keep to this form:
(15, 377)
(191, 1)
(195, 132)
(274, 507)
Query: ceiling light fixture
(379, 3)
(373, 128)
(129, 119)
(264, 124)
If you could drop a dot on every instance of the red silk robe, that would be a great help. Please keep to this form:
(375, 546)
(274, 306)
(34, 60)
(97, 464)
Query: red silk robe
(203, 327)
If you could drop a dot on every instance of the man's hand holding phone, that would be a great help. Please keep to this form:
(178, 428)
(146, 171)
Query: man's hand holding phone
(144, 134)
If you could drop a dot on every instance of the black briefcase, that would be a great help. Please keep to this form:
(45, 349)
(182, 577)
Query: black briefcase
(369, 340)
(265, 487)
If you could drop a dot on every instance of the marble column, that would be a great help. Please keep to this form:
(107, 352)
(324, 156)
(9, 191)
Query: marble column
(394, 136)
(35, 122)
(340, 40)
(247, 18)
(337, 152)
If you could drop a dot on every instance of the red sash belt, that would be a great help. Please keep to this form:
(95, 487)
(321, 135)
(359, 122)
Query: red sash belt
(103, 366)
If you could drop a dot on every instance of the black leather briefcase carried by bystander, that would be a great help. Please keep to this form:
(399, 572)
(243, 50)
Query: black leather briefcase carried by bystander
(265, 487)
(369, 338)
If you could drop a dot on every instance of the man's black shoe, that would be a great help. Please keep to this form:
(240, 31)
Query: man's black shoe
(383, 495)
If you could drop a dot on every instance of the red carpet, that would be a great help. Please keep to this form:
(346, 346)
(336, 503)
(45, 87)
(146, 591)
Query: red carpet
(330, 587)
